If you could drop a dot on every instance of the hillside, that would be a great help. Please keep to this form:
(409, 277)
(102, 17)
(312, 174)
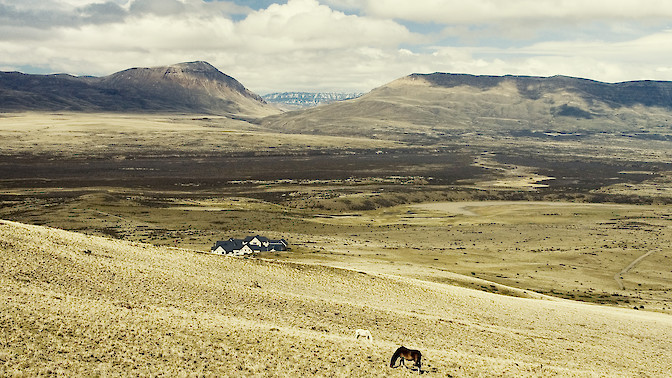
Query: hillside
(195, 87)
(80, 305)
(441, 105)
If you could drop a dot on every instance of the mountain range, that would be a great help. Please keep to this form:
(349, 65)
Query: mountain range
(441, 103)
(429, 104)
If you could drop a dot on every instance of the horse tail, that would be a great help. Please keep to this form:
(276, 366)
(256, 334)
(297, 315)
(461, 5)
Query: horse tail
(419, 361)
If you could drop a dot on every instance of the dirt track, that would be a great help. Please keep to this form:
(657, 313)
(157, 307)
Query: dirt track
(618, 276)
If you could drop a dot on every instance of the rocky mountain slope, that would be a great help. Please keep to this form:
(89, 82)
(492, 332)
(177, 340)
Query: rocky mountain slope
(78, 305)
(302, 100)
(440, 103)
(195, 87)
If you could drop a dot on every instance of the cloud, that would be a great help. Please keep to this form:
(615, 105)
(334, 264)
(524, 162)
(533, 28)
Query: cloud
(497, 22)
(635, 59)
(102, 13)
(486, 11)
(46, 15)
(348, 5)
(157, 7)
(49, 14)
(305, 24)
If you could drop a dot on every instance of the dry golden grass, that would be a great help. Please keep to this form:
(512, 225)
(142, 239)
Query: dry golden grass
(78, 305)
(96, 135)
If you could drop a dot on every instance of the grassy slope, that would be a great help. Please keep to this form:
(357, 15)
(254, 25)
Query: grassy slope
(129, 309)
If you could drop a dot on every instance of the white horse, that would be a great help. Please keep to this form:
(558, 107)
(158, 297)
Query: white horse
(363, 333)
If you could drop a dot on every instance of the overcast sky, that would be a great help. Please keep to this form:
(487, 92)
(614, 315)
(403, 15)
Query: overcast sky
(341, 45)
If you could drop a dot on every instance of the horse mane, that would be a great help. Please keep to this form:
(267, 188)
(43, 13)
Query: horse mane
(396, 355)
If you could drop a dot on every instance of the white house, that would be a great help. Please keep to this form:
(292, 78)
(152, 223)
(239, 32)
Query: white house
(248, 246)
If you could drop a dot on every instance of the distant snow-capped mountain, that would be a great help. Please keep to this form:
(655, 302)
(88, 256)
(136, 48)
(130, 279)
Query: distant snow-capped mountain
(300, 100)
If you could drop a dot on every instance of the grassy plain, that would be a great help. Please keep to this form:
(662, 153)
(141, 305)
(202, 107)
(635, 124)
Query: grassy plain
(119, 136)
(560, 245)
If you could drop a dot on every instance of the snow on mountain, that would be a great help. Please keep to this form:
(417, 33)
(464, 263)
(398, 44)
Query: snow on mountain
(301, 100)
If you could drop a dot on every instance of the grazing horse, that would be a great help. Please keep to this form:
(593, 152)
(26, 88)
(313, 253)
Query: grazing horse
(363, 333)
(404, 353)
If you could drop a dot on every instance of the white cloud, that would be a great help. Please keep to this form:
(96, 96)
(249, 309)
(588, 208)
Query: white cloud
(484, 11)
(348, 5)
(157, 7)
(47, 14)
(305, 24)
(636, 59)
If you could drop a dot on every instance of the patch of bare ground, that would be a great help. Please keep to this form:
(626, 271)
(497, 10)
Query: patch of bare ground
(82, 305)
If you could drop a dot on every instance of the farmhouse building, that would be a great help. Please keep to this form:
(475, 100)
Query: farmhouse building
(248, 246)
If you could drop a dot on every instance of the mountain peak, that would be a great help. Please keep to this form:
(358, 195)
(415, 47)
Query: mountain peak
(198, 81)
(199, 64)
(200, 67)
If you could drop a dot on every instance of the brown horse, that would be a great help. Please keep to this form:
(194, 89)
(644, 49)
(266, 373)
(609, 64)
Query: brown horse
(404, 353)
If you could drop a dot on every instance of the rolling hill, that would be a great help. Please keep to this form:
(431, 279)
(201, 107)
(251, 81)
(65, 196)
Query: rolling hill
(79, 305)
(440, 103)
(195, 87)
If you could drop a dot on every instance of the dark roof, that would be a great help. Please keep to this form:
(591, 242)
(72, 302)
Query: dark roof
(229, 245)
(236, 244)
(260, 238)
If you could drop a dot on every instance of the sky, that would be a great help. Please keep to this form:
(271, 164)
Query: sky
(341, 45)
